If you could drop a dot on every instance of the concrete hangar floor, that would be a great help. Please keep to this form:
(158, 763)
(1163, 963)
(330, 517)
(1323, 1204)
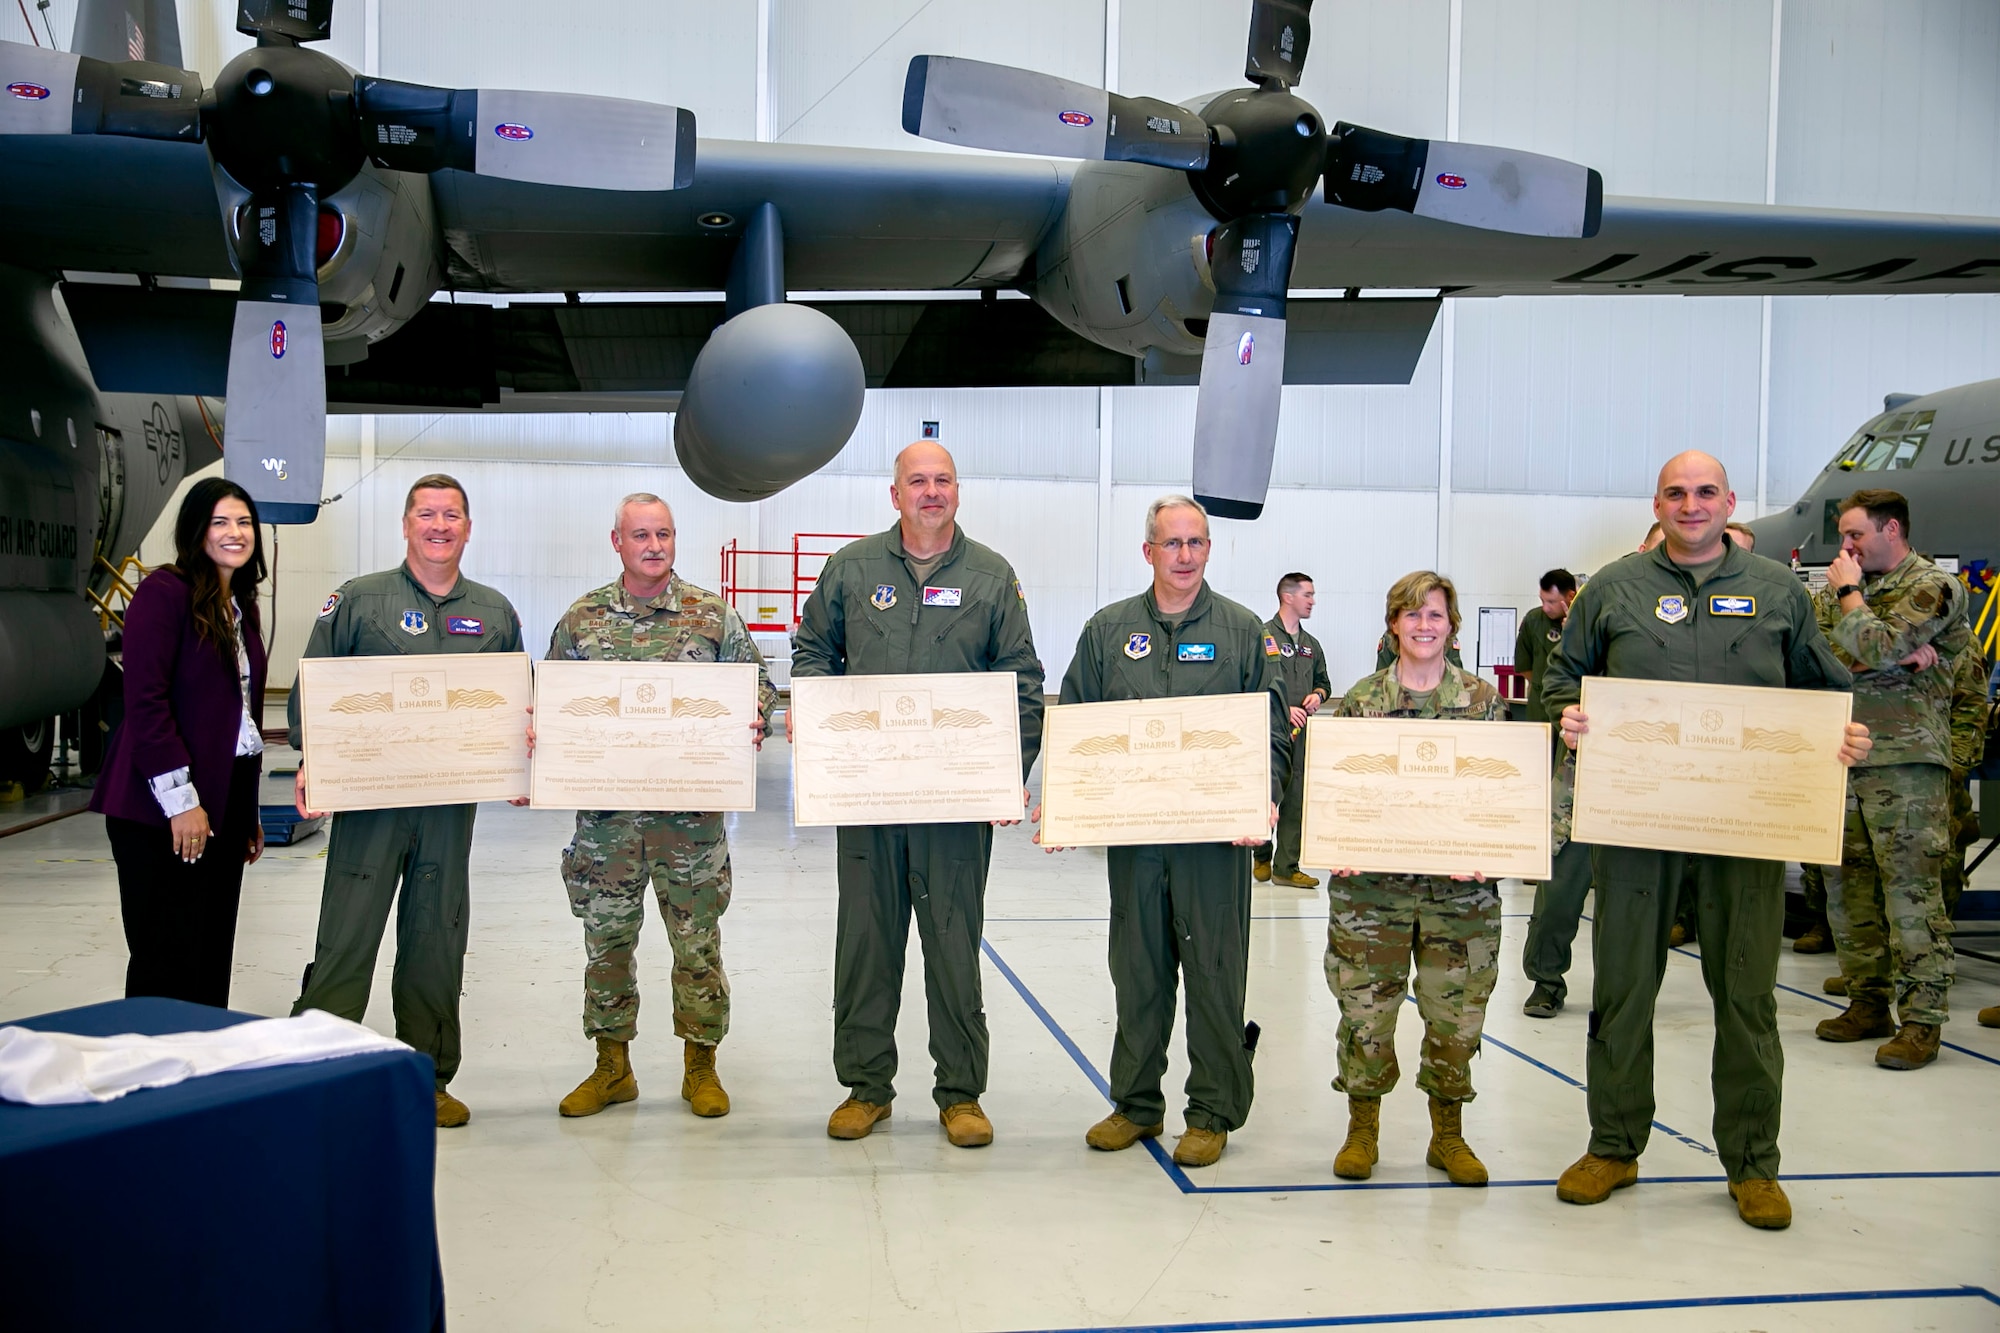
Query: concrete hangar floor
(645, 1217)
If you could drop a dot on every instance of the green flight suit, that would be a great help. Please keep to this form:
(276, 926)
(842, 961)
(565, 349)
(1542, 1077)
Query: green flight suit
(1537, 639)
(1301, 666)
(425, 849)
(1559, 899)
(869, 614)
(1185, 908)
(1750, 622)
(1890, 924)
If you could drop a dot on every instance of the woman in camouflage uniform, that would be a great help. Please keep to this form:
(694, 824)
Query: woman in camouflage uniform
(1449, 924)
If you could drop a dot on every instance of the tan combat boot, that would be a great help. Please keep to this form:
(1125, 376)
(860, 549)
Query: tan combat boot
(451, 1112)
(1449, 1151)
(1590, 1178)
(610, 1082)
(1835, 985)
(1815, 939)
(854, 1119)
(1990, 1017)
(1862, 1020)
(1200, 1147)
(1357, 1156)
(1115, 1133)
(1914, 1046)
(1761, 1203)
(1261, 871)
(1298, 879)
(700, 1088)
(966, 1125)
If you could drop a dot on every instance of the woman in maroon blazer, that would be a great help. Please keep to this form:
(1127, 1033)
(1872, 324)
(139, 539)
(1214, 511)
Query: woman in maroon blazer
(179, 786)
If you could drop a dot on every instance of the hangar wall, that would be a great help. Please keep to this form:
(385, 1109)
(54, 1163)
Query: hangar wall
(1532, 428)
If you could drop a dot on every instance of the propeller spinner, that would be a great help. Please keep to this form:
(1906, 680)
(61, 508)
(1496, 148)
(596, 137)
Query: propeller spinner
(1253, 158)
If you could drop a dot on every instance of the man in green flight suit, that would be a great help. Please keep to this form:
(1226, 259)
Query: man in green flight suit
(422, 606)
(1545, 954)
(649, 613)
(921, 597)
(1179, 910)
(1890, 613)
(1695, 608)
(1302, 668)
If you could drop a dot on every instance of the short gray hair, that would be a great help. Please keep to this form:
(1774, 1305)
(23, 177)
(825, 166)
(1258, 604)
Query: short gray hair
(636, 498)
(1172, 502)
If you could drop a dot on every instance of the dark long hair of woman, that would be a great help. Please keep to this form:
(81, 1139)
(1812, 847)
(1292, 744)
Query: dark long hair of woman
(212, 619)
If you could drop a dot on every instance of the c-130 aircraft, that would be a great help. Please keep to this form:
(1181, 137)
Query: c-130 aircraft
(1155, 242)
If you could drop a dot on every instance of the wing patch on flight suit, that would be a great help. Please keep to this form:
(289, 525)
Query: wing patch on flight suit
(1719, 605)
(1672, 608)
(413, 622)
(1138, 645)
(884, 598)
(1196, 652)
(464, 625)
(331, 604)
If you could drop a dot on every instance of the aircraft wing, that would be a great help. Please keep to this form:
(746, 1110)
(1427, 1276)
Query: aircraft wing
(105, 204)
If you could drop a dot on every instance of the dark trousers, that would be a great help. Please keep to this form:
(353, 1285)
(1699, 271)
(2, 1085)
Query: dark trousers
(1545, 956)
(180, 919)
(886, 874)
(1181, 910)
(1282, 852)
(1740, 906)
(369, 853)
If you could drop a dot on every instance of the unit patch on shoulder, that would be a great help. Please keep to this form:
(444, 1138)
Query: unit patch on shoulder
(413, 622)
(1672, 608)
(884, 598)
(1271, 645)
(464, 625)
(330, 605)
(1732, 606)
(1018, 593)
(1195, 652)
(943, 596)
(1138, 645)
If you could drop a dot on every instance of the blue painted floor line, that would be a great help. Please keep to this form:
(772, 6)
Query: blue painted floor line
(1337, 1186)
(1544, 1311)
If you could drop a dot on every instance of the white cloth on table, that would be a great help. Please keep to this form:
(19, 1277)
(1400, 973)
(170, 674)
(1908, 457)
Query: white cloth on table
(62, 1069)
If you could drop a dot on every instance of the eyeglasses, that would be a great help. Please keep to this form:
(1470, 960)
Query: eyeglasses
(1175, 545)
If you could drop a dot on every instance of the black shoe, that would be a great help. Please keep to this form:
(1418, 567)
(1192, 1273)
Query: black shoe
(1546, 1002)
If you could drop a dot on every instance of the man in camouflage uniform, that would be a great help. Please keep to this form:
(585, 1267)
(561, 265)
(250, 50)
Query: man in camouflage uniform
(1179, 911)
(1301, 666)
(1448, 924)
(1883, 604)
(921, 597)
(423, 606)
(650, 614)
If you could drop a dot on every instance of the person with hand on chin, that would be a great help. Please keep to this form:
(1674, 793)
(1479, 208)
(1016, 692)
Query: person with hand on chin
(1182, 909)
(422, 606)
(179, 786)
(1449, 924)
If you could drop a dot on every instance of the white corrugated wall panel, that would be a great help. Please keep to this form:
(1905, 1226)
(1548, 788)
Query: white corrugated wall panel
(1891, 104)
(1589, 396)
(1663, 99)
(1049, 433)
(1833, 357)
(698, 54)
(837, 69)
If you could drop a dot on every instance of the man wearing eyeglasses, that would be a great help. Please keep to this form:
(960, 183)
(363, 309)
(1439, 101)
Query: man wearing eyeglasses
(1181, 909)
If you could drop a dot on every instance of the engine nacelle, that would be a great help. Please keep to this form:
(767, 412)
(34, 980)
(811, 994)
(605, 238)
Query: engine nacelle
(774, 395)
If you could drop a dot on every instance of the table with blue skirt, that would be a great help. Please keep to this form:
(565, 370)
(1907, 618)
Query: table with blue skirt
(297, 1197)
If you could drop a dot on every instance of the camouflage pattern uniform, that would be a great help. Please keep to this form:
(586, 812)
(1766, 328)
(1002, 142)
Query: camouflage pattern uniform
(685, 854)
(1378, 922)
(1889, 922)
(1301, 663)
(1968, 747)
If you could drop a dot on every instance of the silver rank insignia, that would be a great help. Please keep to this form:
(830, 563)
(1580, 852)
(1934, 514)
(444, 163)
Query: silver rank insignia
(1138, 645)
(1672, 608)
(884, 598)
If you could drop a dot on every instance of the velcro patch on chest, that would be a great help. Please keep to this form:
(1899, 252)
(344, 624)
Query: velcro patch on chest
(464, 625)
(1671, 608)
(1719, 605)
(943, 596)
(413, 621)
(1195, 652)
(1138, 645)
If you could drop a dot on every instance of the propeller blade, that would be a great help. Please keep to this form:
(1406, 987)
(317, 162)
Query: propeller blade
(1474, 185)
(1279, 32)
(53, 92)
(591, 143)
(978, 105)
(1243, 364)
(275, 446)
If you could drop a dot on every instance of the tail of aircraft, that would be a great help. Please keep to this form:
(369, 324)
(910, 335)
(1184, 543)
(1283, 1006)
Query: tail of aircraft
(120, 30)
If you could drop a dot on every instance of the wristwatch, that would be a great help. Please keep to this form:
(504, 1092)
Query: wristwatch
(1845, 589)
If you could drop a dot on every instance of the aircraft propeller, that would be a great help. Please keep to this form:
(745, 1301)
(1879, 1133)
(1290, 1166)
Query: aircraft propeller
(292, 126)
(1253, 158)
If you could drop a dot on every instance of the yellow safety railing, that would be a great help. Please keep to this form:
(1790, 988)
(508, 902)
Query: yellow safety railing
(1986, 625)
(111, 603)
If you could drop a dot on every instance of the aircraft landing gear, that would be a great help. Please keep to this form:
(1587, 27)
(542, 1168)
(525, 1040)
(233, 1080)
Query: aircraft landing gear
(25, 752)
